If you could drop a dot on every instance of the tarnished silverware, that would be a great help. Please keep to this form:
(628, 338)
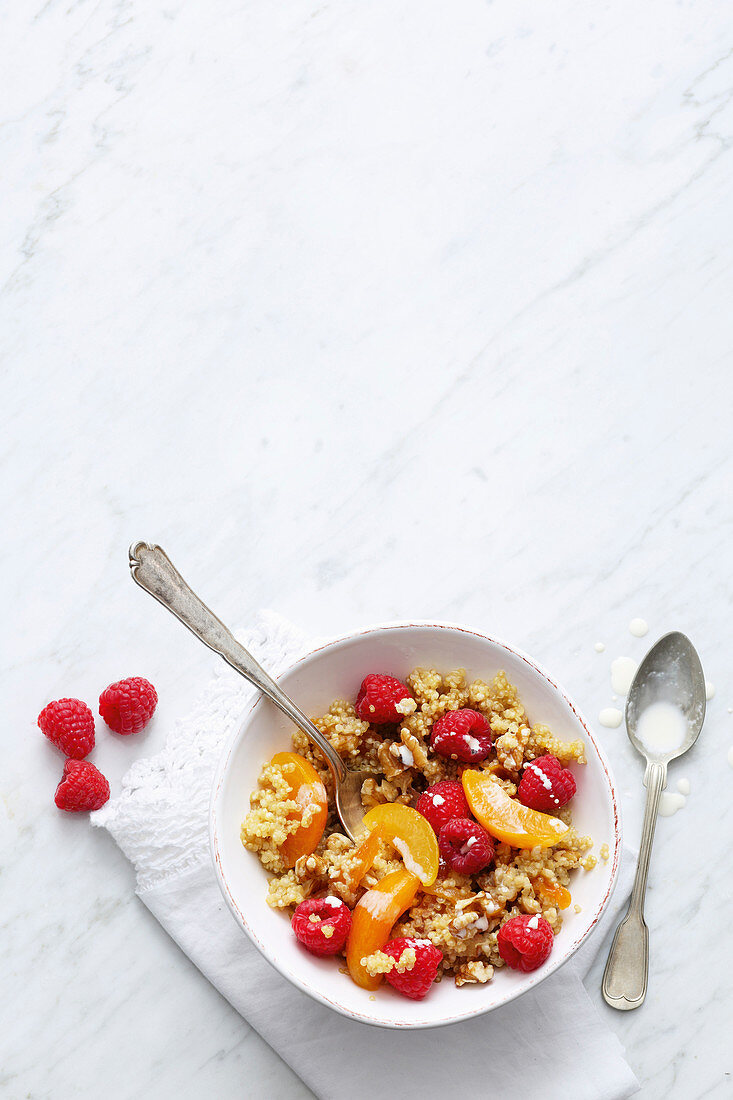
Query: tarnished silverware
(153, 570)
(670, 673)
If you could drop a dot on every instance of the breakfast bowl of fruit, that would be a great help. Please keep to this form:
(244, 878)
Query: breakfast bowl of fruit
(488, 836)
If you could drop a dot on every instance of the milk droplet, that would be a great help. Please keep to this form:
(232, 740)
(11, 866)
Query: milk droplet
(638, 628)
(599, 647)
(623, 670)
(709, 690)
(683, 786)
(610, 718)
(730, 756)
(669, 804)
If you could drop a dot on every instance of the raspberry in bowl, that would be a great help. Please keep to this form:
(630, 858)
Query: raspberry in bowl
(394, 883)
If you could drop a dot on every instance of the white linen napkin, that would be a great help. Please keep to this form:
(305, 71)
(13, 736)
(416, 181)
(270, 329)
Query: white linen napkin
(550, 1042)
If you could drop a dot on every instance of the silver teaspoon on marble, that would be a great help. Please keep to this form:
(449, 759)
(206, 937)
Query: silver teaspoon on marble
(670, 673)
(153, 570)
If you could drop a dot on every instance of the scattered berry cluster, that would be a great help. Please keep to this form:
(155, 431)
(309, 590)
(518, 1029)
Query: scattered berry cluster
(126, 706)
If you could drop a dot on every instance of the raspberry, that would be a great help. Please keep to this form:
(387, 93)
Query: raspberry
(82, 787)
(413, 983)
(442, 802)
(322, 925)
(465, 846)
(545, 785)
(378, 698)
(525, 942)
(128, 705)
(463, 735)
(69, 723)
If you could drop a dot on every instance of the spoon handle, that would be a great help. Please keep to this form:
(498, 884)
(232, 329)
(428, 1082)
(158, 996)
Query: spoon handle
(627, 970)
(153, 570)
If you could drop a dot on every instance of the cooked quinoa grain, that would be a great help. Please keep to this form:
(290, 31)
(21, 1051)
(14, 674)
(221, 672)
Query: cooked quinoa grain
(381, 963)
(459, 914)
(274, 817)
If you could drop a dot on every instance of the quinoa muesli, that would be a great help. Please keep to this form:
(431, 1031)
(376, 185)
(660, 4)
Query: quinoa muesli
(461, 912)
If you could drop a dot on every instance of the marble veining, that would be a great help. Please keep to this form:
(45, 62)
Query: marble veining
(363, 312)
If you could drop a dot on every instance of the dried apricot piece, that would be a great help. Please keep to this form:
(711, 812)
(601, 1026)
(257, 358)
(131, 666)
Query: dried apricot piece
(372, 921)
(307, 789)
(551, 893)
(364, 855)
(505, 817)
(411, 834)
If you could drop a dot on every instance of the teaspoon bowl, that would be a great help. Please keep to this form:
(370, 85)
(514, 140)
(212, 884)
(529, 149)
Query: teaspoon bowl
(671, 673)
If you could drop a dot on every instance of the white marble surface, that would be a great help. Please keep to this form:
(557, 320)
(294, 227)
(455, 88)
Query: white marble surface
(364, 312)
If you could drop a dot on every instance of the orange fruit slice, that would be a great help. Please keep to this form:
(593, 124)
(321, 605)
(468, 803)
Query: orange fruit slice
(551, 893)
(505, 817)
(364, 855)
(411, 834)
(372, 921)
(308, 791)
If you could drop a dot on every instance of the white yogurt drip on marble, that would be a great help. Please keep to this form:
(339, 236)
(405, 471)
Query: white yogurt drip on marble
(662, 728)
(709, 690)
(623, 670)
(611, 718)
(730, 756)
(683, 786)
(670, 803)
(599, 647)
(638, 627)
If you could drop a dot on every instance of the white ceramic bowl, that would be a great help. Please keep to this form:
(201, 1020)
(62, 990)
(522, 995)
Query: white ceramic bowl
(335, 671)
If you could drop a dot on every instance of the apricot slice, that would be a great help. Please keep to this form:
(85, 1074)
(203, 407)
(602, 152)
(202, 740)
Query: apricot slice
(499, 770)
(364, 855)
(505, 817)
(411, 834)
(372, 921)
(307, 789)
(551, 893)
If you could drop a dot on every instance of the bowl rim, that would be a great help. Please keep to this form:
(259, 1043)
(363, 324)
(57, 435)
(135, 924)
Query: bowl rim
(511, 995)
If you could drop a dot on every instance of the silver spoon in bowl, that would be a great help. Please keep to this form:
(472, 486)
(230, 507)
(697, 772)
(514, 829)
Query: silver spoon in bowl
(670, 673)
(153, 570)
